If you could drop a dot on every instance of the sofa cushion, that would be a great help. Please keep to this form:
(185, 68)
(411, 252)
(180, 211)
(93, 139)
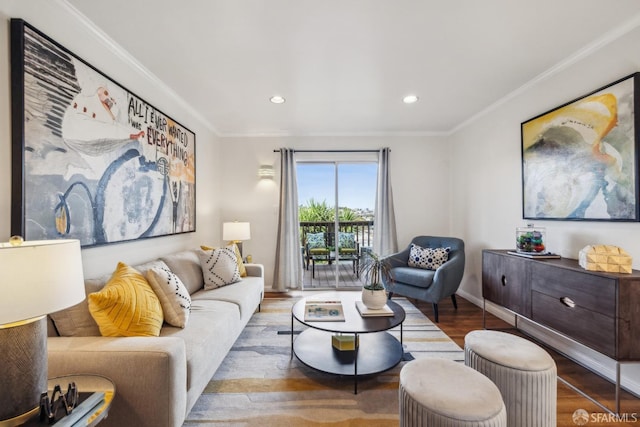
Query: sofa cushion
(427, 258)
(186, 265)
(213, 328)
(174, 297)
(127, 305)
(76, 321)
(246, 294)
(413, 276)
(219, 267)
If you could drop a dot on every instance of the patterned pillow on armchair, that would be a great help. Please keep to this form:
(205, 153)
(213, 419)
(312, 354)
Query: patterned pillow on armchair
(316, 240)
(346, 242)
(317, 244)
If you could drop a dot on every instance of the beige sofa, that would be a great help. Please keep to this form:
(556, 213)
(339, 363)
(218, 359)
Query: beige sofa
(158, 379)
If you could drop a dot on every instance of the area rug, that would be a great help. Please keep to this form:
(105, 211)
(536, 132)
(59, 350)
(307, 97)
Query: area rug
(260, 384)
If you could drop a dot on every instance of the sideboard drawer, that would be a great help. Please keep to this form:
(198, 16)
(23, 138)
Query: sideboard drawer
(588, 327)
(589, 291)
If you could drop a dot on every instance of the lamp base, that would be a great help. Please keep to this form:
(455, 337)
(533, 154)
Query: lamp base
(238, 244)
(20, 419)
(24, 370)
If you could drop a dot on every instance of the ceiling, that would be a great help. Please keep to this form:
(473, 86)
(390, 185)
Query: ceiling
(344, 65)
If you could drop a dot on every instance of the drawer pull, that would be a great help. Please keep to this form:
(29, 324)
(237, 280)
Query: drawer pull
(504, 280)
(568, 302)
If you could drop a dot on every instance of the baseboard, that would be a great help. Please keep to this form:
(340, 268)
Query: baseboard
(592, 360)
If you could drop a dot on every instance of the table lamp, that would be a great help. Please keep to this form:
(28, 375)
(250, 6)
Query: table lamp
(36, 278)
(236, 232)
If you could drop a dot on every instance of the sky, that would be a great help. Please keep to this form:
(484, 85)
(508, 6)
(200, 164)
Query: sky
(357, 184)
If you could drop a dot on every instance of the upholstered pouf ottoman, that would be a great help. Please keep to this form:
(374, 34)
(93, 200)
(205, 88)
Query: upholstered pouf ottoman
(440, 392)
(523, 371)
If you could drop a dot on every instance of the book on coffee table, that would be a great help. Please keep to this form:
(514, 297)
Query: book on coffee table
(323, 311)
(370, 312)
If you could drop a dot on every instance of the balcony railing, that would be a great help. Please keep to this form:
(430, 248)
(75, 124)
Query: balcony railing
(363, 230)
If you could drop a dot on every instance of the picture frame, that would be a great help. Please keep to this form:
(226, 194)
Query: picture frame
(91, 160)
(580, 160)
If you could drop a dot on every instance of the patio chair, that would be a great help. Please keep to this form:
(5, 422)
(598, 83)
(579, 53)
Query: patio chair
(420, 274)
(349, 249)
(316, 249)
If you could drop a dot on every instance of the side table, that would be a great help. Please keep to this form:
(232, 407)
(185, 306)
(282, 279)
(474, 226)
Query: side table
(88, 386)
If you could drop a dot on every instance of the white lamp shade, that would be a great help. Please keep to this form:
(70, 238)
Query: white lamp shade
(236, 231)
(39, 277)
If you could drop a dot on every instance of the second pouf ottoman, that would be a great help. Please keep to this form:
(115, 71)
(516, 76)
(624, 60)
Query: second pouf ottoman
(442, 393)
(523, 371)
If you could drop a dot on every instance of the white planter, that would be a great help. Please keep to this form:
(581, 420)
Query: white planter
(374, 299)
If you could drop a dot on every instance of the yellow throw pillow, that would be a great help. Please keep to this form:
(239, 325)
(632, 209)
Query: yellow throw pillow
(126, 306)
(241, 267)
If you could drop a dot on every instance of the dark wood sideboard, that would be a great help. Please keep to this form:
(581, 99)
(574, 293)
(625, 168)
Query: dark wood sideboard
(597, 309)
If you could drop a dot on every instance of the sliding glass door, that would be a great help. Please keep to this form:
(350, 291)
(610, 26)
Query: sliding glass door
(336, 199)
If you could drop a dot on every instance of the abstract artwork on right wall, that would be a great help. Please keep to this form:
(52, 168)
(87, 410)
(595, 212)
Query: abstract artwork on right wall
(579, 161)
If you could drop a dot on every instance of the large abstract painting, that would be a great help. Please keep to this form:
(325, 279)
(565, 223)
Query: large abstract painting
(91, 160)
(579, 161)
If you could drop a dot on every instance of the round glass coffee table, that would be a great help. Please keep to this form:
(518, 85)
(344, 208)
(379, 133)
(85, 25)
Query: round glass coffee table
(376, 350)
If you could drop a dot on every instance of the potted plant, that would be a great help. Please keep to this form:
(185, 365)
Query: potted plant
(373, 270)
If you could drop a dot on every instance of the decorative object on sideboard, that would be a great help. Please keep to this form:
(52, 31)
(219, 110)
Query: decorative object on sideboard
(37, 278)
(608, 258)
(579, 160)
(530, 239)
(236, 232)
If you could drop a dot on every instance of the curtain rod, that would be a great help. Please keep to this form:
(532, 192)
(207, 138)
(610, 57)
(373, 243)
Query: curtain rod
(332, 151)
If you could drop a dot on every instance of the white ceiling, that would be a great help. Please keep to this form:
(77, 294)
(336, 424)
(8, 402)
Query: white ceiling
(344, 65)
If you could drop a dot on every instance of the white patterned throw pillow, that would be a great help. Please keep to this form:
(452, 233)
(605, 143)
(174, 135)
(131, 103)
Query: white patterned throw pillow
(427, 258)
(219, 267)
(173, 295)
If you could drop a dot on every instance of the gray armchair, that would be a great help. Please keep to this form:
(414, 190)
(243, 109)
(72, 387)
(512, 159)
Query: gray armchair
(427, 285)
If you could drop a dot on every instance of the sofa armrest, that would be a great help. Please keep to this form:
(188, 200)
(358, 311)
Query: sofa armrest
(449, 275)
(150, 375)
(255, 270)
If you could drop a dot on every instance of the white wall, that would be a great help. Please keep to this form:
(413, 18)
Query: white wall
(54, 19)
(419, 178)
(487, 186)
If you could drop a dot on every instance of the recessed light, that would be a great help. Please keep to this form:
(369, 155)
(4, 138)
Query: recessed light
(277, 99)
(410, 99)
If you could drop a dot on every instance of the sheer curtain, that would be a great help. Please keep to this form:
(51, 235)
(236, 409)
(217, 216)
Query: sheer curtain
(288, 267)
(385, 240)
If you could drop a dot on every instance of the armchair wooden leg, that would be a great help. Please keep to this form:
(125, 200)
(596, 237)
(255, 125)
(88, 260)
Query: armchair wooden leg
(435, 311)
(390, 295)
(455, 303)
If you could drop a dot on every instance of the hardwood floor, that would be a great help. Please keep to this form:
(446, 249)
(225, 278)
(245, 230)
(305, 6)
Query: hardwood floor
(457, 323)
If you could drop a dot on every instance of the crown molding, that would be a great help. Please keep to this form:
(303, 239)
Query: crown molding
(285, 134)
(104, 39)
(609, 37)
(603, 41)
